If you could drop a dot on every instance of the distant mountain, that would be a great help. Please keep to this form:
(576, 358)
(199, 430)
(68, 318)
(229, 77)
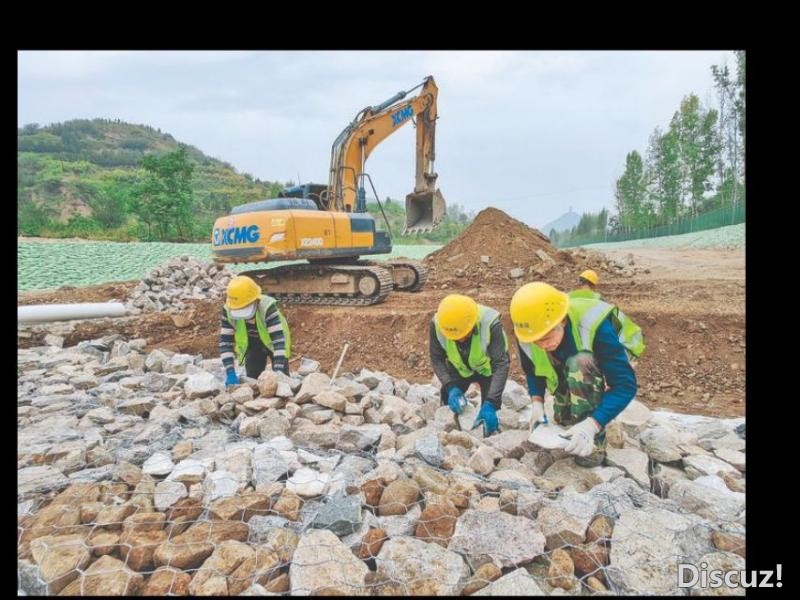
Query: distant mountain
(66, 172)
(563, 223)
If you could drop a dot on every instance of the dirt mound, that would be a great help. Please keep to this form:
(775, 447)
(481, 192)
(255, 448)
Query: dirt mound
(497, 249)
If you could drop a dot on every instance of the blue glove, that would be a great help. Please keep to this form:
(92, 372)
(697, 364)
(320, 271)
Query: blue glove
(232, 378)
(488, 418)
(456, 400)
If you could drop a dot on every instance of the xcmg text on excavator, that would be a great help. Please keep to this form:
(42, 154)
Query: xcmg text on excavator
(329, 226)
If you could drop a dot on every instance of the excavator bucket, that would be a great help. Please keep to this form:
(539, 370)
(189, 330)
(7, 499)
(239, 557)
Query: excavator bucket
(424, 211)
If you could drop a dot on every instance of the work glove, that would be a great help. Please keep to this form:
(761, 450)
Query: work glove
(538, 414)
(488, 418)
(232, 378)
(456, 400)
(581, 437)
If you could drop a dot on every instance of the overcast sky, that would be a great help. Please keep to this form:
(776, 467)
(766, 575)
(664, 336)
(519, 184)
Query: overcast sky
(530, 133)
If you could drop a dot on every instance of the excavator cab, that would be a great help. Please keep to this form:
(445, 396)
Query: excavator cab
(424, 211)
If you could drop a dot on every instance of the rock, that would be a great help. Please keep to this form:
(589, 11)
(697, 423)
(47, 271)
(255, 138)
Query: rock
(600, 529)
(308, 483)
(354, 438)
(220, 484)
(342, 516)
(371, 544)
(137, 548)
(437, 523)
(512, 444)
(430, 450)
(323, 564)
(509, 540)
(189, 549)
(60, 559)
(661, 443)
(561, 573)
(482, 577)
(419, 568)
(165, 581)
(273, 424)
(307, 366)
(516, 583)
(268, 383)
(647, 546)
(105, 577)
(697, 465)
(202, 385)
(28, 579)
(168, 493)
(159, 464)
(706, 501)
(331, 399)
(516, 273)
(430, 480)
(398, 497)
(634, 462)
(634, 417)
(589, 559)
(565, 521)
(313, 384)
(188, 471)
(288, 505)
(720, 562)
(39, 480)
(112, 516)
(400, 525)
(732, 457)
(211, 579)
(729, 542)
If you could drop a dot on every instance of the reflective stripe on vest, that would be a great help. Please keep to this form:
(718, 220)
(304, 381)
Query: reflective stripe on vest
(240, 329)
(478, 360)
(586, 315)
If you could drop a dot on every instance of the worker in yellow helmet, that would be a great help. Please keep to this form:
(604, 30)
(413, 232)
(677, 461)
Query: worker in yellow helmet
(577, 349)
(253, 331)
(587, 284)
(468, 344)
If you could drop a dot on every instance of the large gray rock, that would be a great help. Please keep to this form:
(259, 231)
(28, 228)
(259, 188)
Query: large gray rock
(634, 417)
(646, 547)
(340, 515)
(159, 464)
(429, 449)
(168, 493)
(509, 540)
(419, 568)
(313, 384)
(39, 480)
(706, 501)
(564, 521)
(634, 462)
(661, 443)
(697, 465)
(354, 438)
(220, 484)
(201, 385)
(515, 396)
(512, 444)
(516, 583)
(268, 465)
(723, 562)
(308, 483)
(323, 564)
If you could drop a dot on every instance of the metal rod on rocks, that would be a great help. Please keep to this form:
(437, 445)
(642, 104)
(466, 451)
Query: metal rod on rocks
(339, 364)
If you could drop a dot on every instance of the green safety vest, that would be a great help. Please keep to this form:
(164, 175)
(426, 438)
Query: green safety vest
(584, 293)
(585, 316)
(478, 361)
(240, 329)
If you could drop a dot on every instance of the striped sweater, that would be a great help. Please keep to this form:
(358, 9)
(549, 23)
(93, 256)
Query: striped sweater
(227, 343)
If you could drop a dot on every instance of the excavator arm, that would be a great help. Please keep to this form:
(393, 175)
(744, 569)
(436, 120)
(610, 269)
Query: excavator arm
(425, 207)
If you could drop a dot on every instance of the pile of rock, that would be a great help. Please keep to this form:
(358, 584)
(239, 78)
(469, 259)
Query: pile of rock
(139, 473)
(183, 278)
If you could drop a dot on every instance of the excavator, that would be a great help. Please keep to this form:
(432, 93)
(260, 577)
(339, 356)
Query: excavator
(329, 226)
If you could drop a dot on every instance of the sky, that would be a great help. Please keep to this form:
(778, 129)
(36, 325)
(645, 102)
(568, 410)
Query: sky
(532, 133)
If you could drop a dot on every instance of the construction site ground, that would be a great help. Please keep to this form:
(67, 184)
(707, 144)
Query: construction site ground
(690, 305)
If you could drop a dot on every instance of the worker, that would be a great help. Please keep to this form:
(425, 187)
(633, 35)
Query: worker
(587, 284)
(578, 350)
(468, 344)
(253, 331)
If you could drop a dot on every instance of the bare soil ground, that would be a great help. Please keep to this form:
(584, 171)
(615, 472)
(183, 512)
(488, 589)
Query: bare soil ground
(691, 306)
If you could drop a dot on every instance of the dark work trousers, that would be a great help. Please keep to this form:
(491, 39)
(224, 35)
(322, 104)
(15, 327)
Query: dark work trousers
(255, 361)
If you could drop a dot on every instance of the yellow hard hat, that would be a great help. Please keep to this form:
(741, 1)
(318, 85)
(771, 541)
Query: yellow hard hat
(242, 291)
(590, 276)
(535, 309)
(456, 316)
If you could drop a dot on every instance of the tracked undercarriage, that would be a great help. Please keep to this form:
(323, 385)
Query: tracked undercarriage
(355, 283)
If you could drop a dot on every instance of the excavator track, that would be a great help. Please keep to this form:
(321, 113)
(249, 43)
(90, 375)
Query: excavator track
(408, 275)
(361, 284)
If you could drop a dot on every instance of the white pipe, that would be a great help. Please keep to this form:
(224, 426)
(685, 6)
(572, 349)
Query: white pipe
(41, 313)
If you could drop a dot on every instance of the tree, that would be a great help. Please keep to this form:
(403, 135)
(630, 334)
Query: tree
(165, 196)
(630, 192)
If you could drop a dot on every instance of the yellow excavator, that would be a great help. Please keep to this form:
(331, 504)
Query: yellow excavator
(329, 226)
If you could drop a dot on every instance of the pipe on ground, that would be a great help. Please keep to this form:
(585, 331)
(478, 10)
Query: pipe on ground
(42, 313)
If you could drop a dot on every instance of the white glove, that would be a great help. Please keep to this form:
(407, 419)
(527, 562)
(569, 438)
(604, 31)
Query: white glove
(582, 437)
(538, 413)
